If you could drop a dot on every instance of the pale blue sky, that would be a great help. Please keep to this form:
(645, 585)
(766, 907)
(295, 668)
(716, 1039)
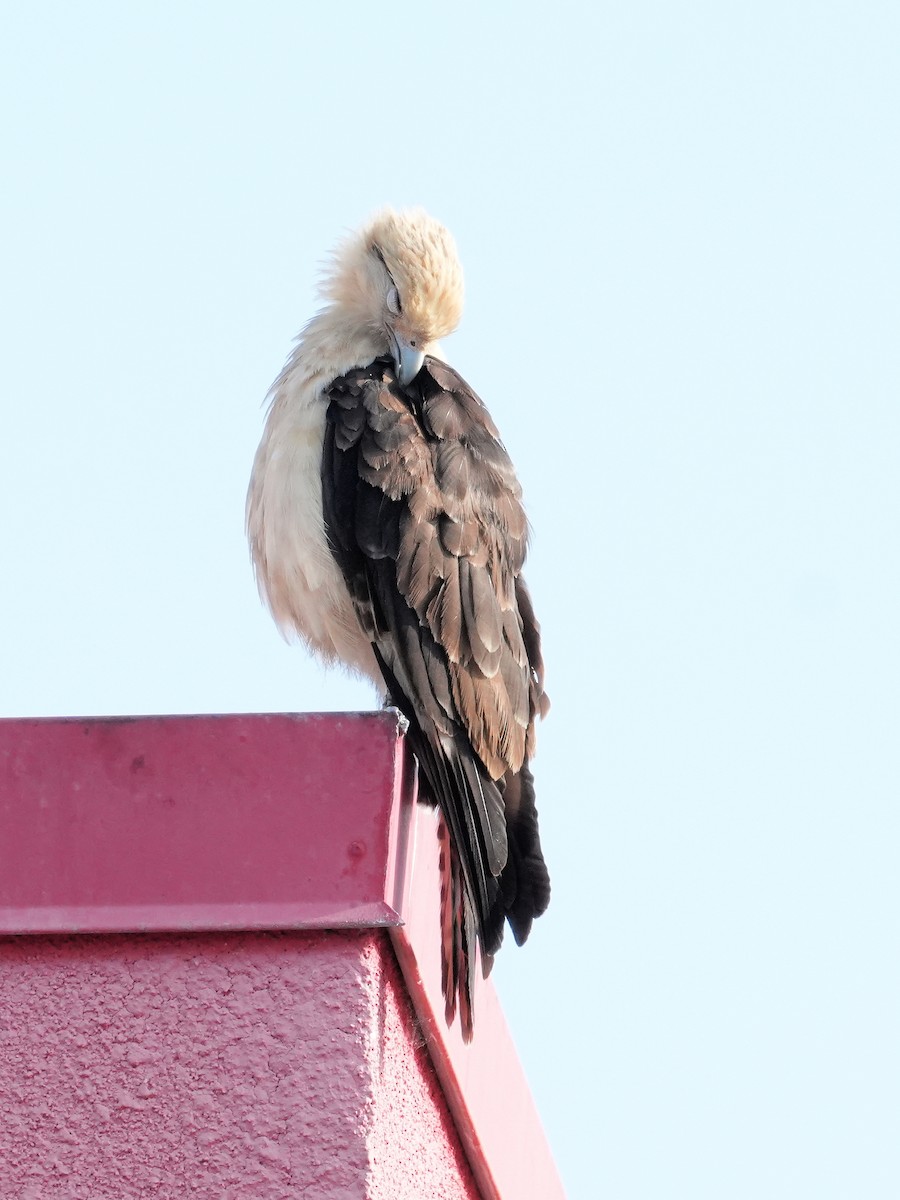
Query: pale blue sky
(679, 224)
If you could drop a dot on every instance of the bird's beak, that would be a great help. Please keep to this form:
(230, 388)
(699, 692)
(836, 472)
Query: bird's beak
(408, 360)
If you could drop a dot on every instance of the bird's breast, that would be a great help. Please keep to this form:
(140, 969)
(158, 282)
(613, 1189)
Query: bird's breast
(296, 571)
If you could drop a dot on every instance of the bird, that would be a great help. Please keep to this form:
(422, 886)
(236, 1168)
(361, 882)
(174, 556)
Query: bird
(387, 533)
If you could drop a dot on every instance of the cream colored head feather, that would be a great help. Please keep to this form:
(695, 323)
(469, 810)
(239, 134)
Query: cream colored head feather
(400, 276)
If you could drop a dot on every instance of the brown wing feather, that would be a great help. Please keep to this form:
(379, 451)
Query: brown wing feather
(423, 512)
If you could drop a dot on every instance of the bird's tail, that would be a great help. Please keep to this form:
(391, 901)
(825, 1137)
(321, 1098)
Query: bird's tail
(492, 870)
(519, 895)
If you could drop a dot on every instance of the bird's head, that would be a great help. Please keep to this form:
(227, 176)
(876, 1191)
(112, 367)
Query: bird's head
(400, 280)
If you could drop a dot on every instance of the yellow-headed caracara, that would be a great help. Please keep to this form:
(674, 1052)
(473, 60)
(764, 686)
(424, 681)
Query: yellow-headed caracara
(387, 530)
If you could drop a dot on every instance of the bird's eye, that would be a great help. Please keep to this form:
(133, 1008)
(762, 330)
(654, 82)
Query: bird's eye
(393, 301)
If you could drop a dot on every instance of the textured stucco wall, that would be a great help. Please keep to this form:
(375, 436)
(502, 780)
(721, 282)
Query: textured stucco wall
(217, 1067)
(414, 1152)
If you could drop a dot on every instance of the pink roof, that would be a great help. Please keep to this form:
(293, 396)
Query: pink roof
(264, 822)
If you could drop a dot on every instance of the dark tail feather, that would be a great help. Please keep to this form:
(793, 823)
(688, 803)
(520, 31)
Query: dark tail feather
(474, 911)
(471, 909)
(457, 937)
(449, 982)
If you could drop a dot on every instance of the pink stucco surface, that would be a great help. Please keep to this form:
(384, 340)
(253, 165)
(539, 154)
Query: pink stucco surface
(217, 1066)
(200, 996)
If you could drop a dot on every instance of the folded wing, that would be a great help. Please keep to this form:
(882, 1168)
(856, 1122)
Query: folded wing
(424, 516)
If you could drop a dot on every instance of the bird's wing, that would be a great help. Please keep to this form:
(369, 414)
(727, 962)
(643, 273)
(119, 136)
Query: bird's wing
(423, 513)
